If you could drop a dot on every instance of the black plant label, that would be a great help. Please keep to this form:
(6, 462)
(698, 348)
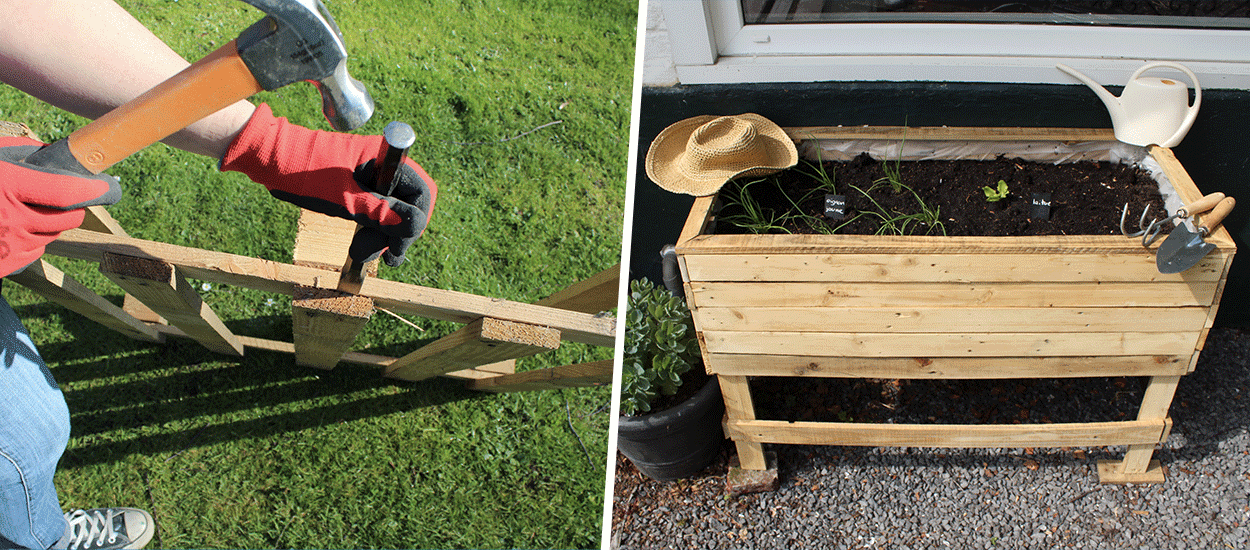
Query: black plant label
(835, 206)
(1039, 206)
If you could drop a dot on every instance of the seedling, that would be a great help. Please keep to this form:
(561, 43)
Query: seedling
(752, 216)
(996, 194)
(825, 179)
(894, 172)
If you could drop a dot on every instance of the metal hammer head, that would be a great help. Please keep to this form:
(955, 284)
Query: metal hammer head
(299, 41)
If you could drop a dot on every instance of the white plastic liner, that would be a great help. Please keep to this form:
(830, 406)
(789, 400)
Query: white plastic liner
(1036, 151)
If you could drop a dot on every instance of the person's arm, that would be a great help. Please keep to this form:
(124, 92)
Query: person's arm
(89, 56)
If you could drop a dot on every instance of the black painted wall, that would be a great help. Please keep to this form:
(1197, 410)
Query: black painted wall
(1216, 152)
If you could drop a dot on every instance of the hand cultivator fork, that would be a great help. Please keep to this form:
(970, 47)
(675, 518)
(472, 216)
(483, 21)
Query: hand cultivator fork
(1142, 226)
(1150, 232)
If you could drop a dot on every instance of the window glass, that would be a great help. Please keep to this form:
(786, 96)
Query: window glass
(1140, 13)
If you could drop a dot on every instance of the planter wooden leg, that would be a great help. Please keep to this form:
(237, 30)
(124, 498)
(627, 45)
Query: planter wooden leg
(1137, 466)
(739, 406)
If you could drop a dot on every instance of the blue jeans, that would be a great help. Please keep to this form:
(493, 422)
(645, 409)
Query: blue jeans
(34, 429)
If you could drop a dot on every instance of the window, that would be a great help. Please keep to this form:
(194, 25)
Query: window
(726, 41)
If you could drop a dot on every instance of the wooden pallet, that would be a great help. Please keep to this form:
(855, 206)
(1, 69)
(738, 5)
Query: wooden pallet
(950, 307)
(160, 303)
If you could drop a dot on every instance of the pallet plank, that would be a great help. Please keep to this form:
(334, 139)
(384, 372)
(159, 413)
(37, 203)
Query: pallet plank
(481, 342)
(162, 288)
(325, 323)
(597, 373)
(256, 273)
(55, 285)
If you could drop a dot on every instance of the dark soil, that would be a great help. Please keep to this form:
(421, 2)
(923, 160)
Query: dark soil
(1086, 198)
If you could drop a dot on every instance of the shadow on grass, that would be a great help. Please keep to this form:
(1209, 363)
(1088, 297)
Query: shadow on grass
(129, 397)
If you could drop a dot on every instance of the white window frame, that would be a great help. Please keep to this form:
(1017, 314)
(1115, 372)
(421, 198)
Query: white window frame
(712, 45)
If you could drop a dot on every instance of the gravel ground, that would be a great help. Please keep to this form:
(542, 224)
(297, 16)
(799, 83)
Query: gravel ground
(855, 497)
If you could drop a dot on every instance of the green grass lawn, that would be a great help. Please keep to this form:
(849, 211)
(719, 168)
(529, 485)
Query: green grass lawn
(257, 452)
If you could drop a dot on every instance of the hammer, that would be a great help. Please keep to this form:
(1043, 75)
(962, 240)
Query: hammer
(297, 40)
(397, 138)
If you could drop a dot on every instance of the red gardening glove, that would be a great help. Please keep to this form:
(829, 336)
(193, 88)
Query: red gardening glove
(38, 203)
(331, 173)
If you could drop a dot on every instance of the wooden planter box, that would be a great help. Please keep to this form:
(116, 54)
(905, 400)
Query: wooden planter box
(950, 307)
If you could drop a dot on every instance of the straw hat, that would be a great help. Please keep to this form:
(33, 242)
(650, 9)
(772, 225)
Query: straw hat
(698, 155)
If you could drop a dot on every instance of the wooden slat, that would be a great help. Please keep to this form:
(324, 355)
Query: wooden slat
(55, 285)
(947, 435)
(739, 407)
(909, 295)
(697, 221)
(481, 342)
(325, 323)
(280, 278)
(322, 241)
(353, 357)
(159, 286)
(946, 367)
(597, 373)
(592, 295)
(949, 268)
(1189, 192)
(918, 244)
(950, 319)
(1212, 311)
(952, 345)
(898, 133)
(98, 219)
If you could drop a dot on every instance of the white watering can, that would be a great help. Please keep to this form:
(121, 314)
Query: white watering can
(1150, 110)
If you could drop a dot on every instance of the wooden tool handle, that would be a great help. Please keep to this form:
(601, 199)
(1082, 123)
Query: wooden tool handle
(204, 88)
(1202, 205)
(1217, 215)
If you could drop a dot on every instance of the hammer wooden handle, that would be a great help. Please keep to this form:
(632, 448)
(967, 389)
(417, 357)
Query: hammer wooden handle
(207, 86)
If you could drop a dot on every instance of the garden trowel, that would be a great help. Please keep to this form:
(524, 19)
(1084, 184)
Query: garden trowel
(1183, 248)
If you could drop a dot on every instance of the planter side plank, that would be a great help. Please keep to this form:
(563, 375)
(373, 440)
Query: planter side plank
(951, 319)
(1135, 432)
(948, 367)
(924, 294)
(947, 268)
(887, 344)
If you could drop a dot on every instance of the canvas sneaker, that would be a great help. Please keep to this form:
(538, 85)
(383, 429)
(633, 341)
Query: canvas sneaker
(108, 529)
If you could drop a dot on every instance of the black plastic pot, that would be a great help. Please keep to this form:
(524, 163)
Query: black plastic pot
(676, 442)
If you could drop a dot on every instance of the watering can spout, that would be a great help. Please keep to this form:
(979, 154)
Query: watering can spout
(1112, 102)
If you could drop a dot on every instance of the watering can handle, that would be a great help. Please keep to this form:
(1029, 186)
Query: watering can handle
(1193, 109)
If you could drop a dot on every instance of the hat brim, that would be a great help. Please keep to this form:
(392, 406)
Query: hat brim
(663, 159)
